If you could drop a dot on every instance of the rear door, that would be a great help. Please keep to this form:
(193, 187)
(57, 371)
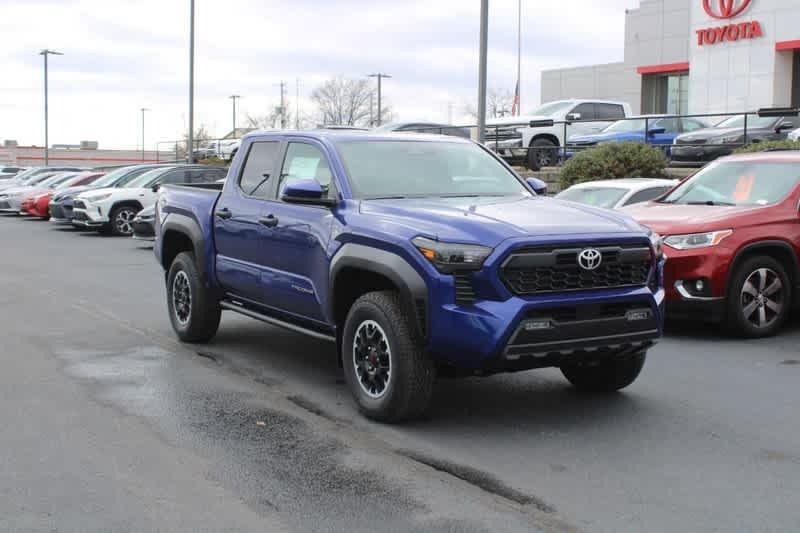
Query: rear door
(238, 230)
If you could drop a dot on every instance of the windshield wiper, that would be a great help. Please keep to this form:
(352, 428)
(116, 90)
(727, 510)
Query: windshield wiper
(709, 202)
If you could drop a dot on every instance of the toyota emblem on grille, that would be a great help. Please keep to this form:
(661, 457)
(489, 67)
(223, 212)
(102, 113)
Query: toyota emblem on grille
(590, 259)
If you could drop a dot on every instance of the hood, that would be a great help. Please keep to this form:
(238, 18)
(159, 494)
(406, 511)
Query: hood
(489, 221)
(92, 192)
(71, 191)
(520, 121)
(674, 219)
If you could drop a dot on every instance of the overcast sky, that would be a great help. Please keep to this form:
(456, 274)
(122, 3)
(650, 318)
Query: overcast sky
(121, 55)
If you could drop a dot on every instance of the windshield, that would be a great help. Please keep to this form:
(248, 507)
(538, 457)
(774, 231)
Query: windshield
(624, 126)
(597, 196)
(398, 169)
(552, 108)
(738, 183)
(113, 176)
(752, 122)
(144, 179)
(56, 180)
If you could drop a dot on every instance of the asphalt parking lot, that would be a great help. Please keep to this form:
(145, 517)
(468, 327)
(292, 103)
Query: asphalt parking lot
(110, 423)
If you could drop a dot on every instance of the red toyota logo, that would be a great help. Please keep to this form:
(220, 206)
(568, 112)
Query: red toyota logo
(728, 9)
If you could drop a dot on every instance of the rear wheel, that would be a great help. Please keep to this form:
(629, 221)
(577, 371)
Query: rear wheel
(385, 366)
(759, 297)
(122, 220)
(193, 312)
(542, 153)
(607, 375)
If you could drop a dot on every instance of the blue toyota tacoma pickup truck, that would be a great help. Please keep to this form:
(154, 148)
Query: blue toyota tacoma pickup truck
(418, 256)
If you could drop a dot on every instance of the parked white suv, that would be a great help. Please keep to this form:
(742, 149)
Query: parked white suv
(512, 136)
(112, 210)
(794, 135)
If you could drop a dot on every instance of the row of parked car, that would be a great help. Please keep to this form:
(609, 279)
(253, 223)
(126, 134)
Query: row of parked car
(117, 202)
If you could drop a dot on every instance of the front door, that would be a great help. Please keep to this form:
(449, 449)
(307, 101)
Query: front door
(295, 250)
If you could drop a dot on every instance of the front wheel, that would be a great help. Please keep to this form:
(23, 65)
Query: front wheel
(759, 297)
(542, 153)
(122, 220)
(385, 366)
(193, 312)
(607, 375)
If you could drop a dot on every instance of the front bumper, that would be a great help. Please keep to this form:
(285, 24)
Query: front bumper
(549, 330)
(699, 154)
(684, 268)
(89, 217)
(143, 230)
(60, 213)
(11, 205)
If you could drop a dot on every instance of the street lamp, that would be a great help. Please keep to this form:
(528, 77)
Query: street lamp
(380, 76)
(46, 53)
(143, 110)
(233, 97)
(190, 140)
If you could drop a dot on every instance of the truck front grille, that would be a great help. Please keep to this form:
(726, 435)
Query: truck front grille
(543, 270)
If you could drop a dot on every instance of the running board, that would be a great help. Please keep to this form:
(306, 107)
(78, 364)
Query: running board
(276, 322)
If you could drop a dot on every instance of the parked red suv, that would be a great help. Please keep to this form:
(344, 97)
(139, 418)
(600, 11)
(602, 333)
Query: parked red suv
(731, 235)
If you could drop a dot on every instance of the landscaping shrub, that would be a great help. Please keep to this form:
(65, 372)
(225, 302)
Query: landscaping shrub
(614, 161)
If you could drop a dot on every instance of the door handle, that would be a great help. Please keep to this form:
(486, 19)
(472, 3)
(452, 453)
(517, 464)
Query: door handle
(269, 221)
(223, 213)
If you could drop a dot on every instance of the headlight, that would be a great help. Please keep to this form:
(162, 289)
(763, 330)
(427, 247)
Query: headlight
(98, 198)
(656, 242)
(452, 257)
(697, 240)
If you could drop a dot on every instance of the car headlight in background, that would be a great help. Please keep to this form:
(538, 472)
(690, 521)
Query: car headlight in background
(697, 240)
(452, 257)
(98, 198)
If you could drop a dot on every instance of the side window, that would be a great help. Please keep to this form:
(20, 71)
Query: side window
(305, 161)
(258, 167)
(175, 176)
(609, 111)
(206, 175)
(647, 195)
(586, 110)
(794, 120)
(670, 125)
(691, 125)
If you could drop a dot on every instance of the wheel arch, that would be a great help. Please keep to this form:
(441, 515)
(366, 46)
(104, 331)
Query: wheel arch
(357, 269)
(779, 250)
(125, 203)
(547, 136)
(180, 233)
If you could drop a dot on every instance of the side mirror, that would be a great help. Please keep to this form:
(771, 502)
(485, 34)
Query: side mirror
(538, 186)
(784, 126)
(156, 187)
(306, 191)
(573, 116)
(656, 131)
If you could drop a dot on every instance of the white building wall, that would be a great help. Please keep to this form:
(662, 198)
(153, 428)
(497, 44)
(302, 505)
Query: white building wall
(723, 77)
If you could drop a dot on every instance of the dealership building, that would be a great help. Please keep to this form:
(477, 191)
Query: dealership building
(696, 56)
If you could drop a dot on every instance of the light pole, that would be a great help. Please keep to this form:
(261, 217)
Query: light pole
(143, 110)
(46, 53)
(380, 76)
(519, 57)
(190, 143)
(233, 97)
(482, 71)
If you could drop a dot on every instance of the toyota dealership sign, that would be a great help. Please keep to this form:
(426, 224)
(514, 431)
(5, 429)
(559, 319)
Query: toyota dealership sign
(734, 31)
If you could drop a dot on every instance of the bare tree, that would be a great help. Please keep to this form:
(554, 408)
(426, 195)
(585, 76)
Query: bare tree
(498, 104)
(269, 120)
(343, 102)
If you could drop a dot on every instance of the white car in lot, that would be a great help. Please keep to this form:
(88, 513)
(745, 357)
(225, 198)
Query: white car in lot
(794, 135)
(112, 210)
(613, 194)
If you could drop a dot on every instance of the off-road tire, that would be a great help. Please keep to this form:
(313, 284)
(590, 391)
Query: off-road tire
(204, 311)
(607, 375)
(735, 320)
(539, 148)
(408, 391)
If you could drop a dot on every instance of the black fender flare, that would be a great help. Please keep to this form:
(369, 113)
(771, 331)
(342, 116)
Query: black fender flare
(774, 243)
(188, 227)
(413, 290)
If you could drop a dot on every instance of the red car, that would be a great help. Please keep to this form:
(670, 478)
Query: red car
(38, 203)
(731, 236)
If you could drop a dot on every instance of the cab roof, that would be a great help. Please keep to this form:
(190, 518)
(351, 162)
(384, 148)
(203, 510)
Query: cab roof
(775, 156)
(353, 135)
